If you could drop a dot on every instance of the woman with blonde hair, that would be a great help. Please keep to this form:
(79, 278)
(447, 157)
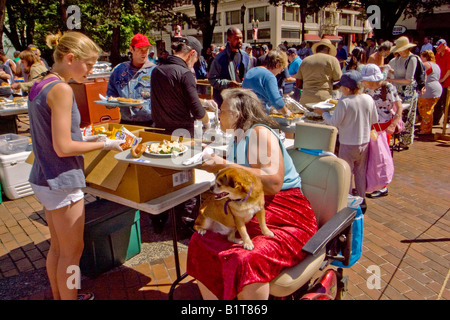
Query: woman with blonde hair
(33, 67)
(428, 100)
(57, 176)
(263, 82)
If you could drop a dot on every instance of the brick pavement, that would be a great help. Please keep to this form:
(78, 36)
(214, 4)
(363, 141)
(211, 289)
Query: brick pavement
(416, 208)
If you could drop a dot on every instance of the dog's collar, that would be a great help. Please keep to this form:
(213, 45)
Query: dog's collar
(225, 207)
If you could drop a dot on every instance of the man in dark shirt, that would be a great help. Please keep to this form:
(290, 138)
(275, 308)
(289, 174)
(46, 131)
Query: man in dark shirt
(260, 61)
(175, 102)
(229, 66)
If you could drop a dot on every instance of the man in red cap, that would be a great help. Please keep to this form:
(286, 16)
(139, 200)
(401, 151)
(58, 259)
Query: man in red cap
(131, 79)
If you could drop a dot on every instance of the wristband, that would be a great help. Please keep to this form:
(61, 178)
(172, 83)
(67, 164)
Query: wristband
(397, 116)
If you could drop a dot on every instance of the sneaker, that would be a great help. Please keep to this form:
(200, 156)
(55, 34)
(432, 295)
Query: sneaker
(379, 193)
(86, 296)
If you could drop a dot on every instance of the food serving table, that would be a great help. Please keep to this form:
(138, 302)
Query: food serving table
(8, 118)
(203, 182)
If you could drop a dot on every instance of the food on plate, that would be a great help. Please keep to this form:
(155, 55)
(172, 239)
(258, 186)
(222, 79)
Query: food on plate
(166, 147)
(20, 99)
(292, 116)
(138, 150)
(313, 116)
(127, 100)
(4, 84)
(333, 101)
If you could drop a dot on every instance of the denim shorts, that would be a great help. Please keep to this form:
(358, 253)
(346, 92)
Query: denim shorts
(58, 198)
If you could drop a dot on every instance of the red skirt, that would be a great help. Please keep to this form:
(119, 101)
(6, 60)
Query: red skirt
(225, 268)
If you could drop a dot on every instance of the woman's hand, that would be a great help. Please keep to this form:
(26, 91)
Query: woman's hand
(286, 112)
(214, 163)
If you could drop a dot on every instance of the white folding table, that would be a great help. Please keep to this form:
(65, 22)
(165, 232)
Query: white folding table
(203, 182)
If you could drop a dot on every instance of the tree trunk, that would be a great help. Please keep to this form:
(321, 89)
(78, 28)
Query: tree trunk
(207, 37)
(205, 21)
(62, 5)
(389, 18)
(12, 33)
(115, 57)
(115, 12)
(2, 20)
(302, 19)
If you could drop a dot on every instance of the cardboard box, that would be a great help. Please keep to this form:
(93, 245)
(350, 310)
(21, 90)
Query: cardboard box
(134, 182)
(85, 95)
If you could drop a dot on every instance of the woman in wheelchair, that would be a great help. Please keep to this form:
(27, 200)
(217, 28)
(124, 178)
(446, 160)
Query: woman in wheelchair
(225, 270)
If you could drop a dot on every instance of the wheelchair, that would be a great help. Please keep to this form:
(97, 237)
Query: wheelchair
(325, 183)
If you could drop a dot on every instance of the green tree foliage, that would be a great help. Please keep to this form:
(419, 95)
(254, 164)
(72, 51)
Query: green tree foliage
(205, 19)
(110, 23)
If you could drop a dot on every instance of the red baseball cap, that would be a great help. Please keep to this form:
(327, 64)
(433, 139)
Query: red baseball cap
(139, 40)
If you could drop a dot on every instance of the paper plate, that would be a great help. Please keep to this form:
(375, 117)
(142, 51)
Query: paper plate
(146, 152)
(114, 104)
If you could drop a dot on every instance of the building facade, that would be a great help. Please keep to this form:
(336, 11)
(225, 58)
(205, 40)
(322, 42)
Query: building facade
(276, 24)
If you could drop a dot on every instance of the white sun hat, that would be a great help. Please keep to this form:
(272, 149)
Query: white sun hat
(371, 72)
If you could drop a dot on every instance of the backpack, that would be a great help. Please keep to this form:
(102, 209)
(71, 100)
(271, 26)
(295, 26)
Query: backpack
(420, 73)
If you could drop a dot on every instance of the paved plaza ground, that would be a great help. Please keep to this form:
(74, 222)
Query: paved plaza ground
(417, 208)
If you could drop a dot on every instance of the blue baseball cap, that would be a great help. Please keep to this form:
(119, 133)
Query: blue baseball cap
(440, 43)
(350, 79)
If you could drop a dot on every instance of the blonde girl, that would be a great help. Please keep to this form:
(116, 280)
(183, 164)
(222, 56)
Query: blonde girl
(57, 175)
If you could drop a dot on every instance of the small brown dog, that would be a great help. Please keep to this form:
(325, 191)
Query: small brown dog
(238, 196)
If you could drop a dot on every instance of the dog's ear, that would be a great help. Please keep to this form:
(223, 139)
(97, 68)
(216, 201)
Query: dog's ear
(230, 182)
(224, 180)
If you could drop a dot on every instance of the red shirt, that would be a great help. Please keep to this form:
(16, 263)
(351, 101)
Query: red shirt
(443, 61)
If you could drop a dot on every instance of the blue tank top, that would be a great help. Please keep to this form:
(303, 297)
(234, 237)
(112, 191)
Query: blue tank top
(238, 153)
(49, 169)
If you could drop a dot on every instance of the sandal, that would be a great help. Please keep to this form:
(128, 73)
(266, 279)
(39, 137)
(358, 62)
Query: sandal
(401, 147)
(85, 296)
